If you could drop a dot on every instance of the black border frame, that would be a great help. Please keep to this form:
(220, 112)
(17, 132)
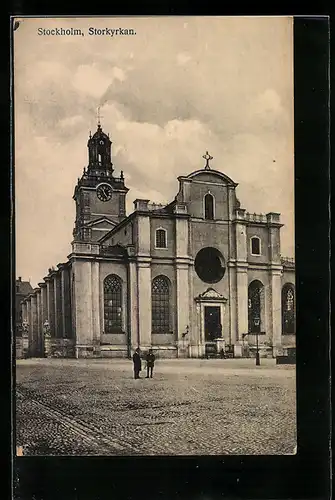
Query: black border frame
(306, 475)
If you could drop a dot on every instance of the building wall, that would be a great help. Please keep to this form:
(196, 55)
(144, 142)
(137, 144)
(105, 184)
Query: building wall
(99, 208)
(263, 233)
(216, 188)
(123, 236)
(169, 226)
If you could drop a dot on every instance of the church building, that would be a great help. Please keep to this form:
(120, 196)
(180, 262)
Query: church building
(187, 279)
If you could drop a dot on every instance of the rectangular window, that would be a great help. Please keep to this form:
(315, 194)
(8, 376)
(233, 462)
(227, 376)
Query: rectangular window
(255, 246)
(160, 238)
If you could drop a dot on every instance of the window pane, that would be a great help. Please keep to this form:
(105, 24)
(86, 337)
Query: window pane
(255, 246)
(209, 207)
(160, 305)
(160, 238)
(288, 310)
(254, 307)
(113, 304)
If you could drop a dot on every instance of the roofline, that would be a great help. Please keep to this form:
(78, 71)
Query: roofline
(203, 171)
(120, 225)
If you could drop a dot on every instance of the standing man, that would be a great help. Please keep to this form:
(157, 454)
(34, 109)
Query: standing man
(150, 363)
(137, 363)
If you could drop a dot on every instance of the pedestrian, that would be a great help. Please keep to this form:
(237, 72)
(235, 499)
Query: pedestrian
(222, 354)
(137, 363)
(150, 363)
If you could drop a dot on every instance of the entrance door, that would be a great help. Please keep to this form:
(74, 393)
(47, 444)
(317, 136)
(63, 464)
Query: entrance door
(212, 323)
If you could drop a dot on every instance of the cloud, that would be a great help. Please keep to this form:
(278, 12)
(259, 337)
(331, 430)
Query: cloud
(94, 81)
(71, 121)
(183, 58)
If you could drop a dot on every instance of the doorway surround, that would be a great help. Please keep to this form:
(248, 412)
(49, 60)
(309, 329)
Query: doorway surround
(208, 298)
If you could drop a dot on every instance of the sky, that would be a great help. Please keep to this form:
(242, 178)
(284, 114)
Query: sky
(178, 87)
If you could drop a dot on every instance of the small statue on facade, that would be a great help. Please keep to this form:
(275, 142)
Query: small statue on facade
(25, 328)
(46, 329)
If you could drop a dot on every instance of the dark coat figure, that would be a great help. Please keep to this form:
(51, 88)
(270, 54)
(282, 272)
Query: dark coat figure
(222, 354)
(137, 363)
(150, 363)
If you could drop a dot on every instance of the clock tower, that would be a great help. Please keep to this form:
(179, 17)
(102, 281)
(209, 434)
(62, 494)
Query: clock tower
(100, 196)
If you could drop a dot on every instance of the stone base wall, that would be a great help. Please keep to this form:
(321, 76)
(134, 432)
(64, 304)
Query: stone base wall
(113, 351)
(288, 340)
(61, 348)
(163, 352)
(19, 347)
(264, 352)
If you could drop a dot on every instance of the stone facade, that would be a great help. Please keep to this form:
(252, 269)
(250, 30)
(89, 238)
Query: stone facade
(192, 277)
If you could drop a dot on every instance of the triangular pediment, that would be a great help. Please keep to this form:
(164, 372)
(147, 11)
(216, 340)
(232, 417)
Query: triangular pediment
(211, 294)
(101, 221)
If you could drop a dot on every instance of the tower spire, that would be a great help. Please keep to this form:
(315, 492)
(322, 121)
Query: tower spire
(99, 117)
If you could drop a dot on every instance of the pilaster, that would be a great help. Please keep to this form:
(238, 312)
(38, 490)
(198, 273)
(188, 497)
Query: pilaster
(57, 305)
(144, 301)
(232, 302)
(143, 229)
(34, 338)
(242, 301)
(96, 301)
(24, 311)
(39, 325)
(133, 306)
(50, 305)
(44, 303)
(275, 284)
(83, 305)
(30, 327)
(183, 294)
(62, 304)
(241, 236)
(181, 236)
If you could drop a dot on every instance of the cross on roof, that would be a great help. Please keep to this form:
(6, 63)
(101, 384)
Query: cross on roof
(207, 157)
(99, 116)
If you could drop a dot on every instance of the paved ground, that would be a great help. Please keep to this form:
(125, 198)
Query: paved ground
(190, 407)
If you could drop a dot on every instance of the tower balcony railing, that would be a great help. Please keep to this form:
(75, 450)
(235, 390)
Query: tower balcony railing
(256, 217)
(269, 218)
(288, 261)
(156, 206)
(89, 177)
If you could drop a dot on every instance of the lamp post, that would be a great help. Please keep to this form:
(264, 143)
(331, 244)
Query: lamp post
(257, 322)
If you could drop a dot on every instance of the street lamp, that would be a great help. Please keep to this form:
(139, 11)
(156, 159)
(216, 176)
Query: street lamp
(257, 322)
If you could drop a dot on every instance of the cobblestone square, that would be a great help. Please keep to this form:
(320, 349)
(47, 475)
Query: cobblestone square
(190, 407)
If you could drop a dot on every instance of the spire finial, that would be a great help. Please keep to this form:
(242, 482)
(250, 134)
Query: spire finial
(207, 157)
(99, 117)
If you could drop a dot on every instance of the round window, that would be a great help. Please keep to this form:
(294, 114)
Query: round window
(210, 265)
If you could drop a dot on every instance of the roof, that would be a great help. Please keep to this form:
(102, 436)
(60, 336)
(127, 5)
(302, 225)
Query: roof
(23, 287)
(99, 134)
(209, 171)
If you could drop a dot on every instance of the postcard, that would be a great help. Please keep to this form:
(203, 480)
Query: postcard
(155, 262)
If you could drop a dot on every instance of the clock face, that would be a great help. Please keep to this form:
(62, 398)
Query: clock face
(104, 192)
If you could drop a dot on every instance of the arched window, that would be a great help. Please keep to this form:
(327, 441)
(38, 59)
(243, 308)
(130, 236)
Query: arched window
(209, 207)
(255, 305)
(288, 309)
(113, 304)
(255, 243)
(160, 238)
(160, 296)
